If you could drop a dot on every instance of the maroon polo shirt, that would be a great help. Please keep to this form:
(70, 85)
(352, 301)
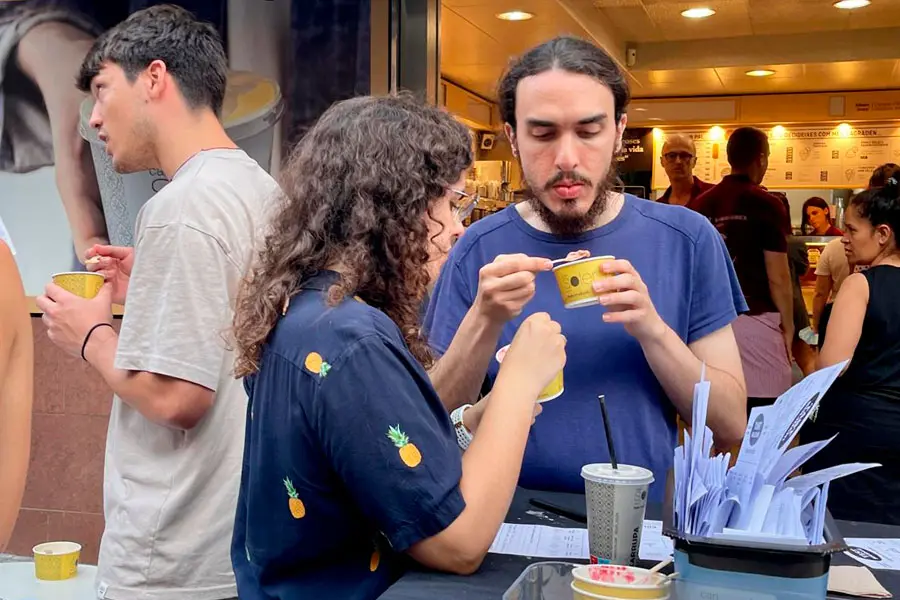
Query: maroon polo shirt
(751, 221)
(698, 188)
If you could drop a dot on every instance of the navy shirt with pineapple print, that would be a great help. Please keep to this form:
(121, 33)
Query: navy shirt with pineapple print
(349, 458)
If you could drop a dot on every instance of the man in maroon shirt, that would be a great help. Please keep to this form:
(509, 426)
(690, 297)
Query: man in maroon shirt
(678, 158)
(752, 223)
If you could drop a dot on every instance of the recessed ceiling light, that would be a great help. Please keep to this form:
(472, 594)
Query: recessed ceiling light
(640, 109)
(515, 15)
(760, 73)
(698, 13)
(655, 119)
(851, 4)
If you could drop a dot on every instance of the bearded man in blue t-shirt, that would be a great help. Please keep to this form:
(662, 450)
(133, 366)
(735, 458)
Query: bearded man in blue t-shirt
(669, 305)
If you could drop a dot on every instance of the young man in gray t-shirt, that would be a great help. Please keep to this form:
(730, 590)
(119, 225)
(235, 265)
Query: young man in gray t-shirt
(175, 441)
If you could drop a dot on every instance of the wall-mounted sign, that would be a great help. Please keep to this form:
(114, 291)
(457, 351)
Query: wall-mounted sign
(805, 157)
(637, 151)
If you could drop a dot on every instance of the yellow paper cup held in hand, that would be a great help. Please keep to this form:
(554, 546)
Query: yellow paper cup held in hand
(553, 390)
(86, 285)
(575, 280)
(55, 561)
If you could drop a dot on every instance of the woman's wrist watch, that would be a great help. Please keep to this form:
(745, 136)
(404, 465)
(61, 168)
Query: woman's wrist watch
(463, 435)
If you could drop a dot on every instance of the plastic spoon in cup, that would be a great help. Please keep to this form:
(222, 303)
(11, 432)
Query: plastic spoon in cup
(572, 256)
(656, 569)
(660, 565)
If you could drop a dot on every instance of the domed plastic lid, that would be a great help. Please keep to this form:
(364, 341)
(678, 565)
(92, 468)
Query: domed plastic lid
(625, 474)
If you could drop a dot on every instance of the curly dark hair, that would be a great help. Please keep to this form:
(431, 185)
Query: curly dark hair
(357, 191)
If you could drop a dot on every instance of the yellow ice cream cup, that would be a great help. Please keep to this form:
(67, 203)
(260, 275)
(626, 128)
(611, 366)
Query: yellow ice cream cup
(615, 581)
(553, 390)
(55, 561)
(575, 280)
(86, 285)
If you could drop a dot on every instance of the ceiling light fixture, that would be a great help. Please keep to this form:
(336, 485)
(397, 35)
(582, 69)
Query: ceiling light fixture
(515, 15)
(851, 4)
(760, 73)
(698, 13)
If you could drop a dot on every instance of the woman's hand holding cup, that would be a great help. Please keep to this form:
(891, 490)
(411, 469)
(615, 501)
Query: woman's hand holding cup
(537, 354)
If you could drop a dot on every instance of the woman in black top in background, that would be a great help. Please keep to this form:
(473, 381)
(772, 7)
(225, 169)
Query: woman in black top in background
(863, 405)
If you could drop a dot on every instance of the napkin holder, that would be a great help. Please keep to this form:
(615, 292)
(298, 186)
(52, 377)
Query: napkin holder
(718, 569)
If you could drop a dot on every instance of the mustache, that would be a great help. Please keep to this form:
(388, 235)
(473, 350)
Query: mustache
(573, 176)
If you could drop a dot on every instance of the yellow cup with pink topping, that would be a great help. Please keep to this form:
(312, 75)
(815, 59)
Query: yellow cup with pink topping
(553, 390)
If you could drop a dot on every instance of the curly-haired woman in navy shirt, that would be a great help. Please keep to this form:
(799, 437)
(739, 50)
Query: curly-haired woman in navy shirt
(351, 465)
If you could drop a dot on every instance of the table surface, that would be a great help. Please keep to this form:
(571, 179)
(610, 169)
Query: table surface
(498, 572)
(17, 582)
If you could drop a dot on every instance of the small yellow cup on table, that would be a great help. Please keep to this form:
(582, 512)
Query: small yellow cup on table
(553, 390)
(576, 280)
(590, 582)
(86, 285)
(56, 561)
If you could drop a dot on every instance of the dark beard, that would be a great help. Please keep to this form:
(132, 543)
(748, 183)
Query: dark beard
(569, 225)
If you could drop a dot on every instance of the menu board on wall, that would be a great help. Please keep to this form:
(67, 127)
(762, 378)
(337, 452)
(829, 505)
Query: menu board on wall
(800, 157)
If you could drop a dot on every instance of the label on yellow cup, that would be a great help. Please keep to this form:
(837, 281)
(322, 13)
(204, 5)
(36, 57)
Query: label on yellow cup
(553, 390)
(86, 285)
(56, 561)
(576, 279)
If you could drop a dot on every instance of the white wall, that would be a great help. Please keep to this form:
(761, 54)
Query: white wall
(33, 214)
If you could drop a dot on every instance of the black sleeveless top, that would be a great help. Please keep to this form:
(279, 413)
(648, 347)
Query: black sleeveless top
(863, 408)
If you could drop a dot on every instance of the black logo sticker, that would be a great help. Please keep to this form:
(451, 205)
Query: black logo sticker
(863, 553)
(798, 421)
(757, 429)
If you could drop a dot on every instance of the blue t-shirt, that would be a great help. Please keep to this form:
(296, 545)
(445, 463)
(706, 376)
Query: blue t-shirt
(349, 459)
(687, 269)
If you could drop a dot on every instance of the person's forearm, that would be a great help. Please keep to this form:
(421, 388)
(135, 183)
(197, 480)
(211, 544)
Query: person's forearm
(457, 376)
(50, 55)
(819, 302)
(783, 297)
(677, 369)
(142, 391)
(492, 463)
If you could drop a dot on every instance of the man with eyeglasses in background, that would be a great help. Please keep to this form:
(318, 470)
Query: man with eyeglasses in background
(678, 158)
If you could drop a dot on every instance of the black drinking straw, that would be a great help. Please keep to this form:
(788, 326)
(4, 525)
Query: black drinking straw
(609, 440)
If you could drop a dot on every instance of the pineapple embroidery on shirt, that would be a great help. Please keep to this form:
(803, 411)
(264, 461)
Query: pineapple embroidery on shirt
(295, 504)
(409, 454)
(316, 365)
(375, 560)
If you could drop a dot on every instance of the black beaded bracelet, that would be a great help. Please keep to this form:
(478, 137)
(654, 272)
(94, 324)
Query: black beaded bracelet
(88, 336)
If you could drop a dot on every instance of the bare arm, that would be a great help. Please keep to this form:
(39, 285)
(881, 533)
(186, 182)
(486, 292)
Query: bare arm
(677, 366)
(167, 401)
(823, 293)
(491, 465)
(780, 287)
(16, 391)
(50, 55)
(845, 326)
(457, 376)
(504, 287)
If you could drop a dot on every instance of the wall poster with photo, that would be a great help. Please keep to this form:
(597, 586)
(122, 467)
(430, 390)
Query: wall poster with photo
(59, 193)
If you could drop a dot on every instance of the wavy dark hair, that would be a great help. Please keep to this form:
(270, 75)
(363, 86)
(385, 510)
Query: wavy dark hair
(358, 189)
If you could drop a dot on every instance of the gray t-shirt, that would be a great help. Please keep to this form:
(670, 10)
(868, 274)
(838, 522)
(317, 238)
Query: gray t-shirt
(170, 495)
